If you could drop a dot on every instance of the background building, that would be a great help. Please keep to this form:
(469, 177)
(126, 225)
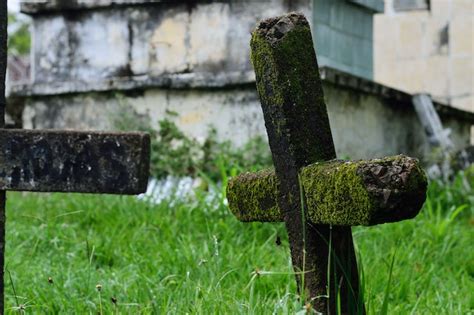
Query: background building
(94, 61)
(427, 46)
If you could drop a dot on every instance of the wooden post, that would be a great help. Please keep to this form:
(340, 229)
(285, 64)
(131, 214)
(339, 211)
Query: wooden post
(299, 134)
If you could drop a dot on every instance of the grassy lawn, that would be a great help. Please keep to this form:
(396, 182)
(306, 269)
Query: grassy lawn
(195, 257)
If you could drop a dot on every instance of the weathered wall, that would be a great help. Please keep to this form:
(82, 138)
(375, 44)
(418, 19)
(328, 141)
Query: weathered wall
(148, 40)
(182, 37)
(364, 125)
(192, 57)
(235, 113)
(428, 51)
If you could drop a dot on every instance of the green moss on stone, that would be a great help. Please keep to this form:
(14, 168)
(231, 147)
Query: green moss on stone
(253, 197)
(290, 89)
(336, 194)
(364, 192)
(264, 66)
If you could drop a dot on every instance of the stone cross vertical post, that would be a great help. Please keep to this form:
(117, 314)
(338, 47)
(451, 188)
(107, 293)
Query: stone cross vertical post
(65, 161)
(318, 201)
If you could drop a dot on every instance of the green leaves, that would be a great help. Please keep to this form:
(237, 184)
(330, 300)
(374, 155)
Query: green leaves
(19, 40)
(164, 258)
(174, 153)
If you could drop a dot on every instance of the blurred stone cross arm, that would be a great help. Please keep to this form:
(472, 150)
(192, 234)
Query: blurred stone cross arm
(65, 161)
(318, 197)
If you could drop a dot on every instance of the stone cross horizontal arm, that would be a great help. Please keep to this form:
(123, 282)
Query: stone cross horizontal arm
(74, 161)
(337, 192)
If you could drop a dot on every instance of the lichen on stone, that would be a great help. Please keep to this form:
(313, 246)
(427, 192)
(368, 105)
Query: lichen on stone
(364, 192)
(346, 193)
(397, 186)
(289, 86)
(253, 197)
(335, 194)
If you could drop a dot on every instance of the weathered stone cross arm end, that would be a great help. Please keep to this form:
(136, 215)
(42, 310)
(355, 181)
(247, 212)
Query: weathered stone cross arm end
(337, 192)
(74, 161)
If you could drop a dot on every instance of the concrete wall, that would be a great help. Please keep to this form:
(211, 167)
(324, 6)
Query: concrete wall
(92, 62)
(428, 50)
(148, 40)
(364, 124)
(79, 44)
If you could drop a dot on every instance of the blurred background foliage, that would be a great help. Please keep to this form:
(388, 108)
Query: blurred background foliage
(19, 38)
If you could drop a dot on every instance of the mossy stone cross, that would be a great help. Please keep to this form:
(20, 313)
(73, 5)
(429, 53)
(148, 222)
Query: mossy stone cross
(65, 161)
(319, 198)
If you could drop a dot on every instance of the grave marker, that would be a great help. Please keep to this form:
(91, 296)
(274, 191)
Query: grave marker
(336, 194)
(65, 161)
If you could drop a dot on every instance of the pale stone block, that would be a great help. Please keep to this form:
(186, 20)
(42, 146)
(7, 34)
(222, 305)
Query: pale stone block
(168, 45)
(411, 31)
(209, 26)
(110, 41)
(236, 114)
(386, 63)
(472, 135)
(140, 40)
(461, 36)
(436, 79)
(440, 9)
(47, 51)
(464, 103)
(384, 72)
(386, 31)
(462, 7)
(462, 76)
(382, 58)
(411, 75)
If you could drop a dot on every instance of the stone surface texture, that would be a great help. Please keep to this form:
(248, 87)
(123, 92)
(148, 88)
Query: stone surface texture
(72, 161)
(145, 40)
(388, 123)
(337, 192)
(291, 94)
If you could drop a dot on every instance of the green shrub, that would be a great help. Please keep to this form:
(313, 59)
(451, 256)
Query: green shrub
(176, 154)
(19, 41)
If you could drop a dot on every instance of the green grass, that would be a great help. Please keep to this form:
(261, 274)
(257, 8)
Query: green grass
(194, 257)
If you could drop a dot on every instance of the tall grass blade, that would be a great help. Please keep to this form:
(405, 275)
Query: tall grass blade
(384, 310)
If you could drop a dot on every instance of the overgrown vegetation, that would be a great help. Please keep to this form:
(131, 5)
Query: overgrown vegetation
(115, 254)
(193, 256)
(174, 153)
